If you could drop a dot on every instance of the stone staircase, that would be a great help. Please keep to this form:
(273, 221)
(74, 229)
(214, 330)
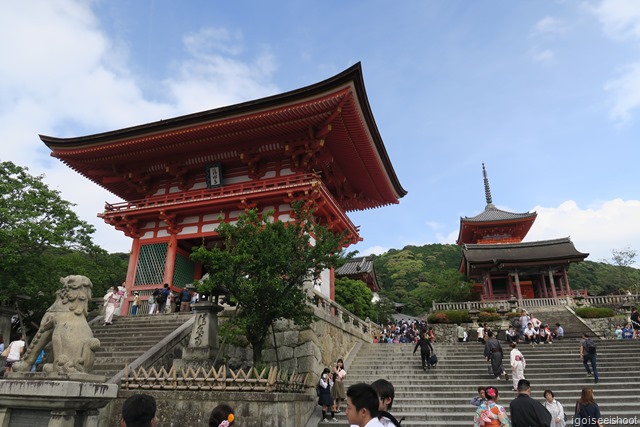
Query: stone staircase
(573, 327)
(129, 338)
(440, 397)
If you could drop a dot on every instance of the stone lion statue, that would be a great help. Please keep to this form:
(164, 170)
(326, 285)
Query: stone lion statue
(65, 326)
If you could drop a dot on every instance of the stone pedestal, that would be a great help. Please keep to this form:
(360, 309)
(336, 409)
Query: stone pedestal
(53, 403)
(203, 344)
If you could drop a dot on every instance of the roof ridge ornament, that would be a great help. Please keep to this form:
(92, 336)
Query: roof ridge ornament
(487, 190)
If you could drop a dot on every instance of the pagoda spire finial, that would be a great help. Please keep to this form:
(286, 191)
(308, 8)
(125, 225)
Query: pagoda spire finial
(487, 190)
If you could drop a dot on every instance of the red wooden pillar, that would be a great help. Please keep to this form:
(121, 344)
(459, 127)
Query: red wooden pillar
(170, 263)
(544, 292)
(130, 281)
(566, 280)
(518, 289)
(552, 283)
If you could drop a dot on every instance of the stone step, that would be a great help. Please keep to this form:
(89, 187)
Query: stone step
(440, 397)
(130, 337)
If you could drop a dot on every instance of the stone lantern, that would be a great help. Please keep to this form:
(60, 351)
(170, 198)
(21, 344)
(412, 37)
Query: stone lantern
(473, 314)
(513, 303)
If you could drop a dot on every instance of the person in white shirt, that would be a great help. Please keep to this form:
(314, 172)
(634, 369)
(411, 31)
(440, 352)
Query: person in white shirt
(362, 406)
(555, 408)
(518, 364)
(16, 349)
(481, 334)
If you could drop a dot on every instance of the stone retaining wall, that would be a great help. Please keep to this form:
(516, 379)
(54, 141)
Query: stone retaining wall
(192, 408)
(307, 351)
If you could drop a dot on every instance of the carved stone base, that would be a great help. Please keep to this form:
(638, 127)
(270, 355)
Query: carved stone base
(52, 402)
(40, 376)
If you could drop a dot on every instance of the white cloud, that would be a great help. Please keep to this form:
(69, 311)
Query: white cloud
(620, 19)
(373, 250)
(598, 229)
(209, 79)
(542, 55)
(625, 93)
(549, 26)
(62, 75)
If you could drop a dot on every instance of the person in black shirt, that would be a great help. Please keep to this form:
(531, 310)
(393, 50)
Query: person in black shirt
(527, 412)
(425, 350)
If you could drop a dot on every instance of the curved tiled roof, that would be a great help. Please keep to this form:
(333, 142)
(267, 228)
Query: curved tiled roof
(357, 265)
(491, 213)
(556, 249)
(336, 111)
(360, 268)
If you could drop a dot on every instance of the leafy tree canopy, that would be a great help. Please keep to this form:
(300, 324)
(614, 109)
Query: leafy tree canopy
(418, 275)
(355, 296)
(41, 240)
(265, 264)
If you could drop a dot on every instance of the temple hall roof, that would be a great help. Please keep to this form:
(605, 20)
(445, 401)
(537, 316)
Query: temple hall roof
(525, 252)
(360, 268)
(326, 128)
(491, 213)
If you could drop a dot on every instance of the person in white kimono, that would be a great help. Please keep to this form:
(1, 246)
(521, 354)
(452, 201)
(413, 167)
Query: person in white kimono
(518, 363)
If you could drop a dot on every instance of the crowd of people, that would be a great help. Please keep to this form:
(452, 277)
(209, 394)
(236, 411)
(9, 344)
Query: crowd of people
(403, 331)
(162, 300)
(527, 412)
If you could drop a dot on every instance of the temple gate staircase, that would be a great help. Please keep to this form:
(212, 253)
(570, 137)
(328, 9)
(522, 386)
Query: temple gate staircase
(440, 397)
(129, 338)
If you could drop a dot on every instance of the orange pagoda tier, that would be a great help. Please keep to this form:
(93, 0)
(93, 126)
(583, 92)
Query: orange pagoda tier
(494, 255)
(180, 177)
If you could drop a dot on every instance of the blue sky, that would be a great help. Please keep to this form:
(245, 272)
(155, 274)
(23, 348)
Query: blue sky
(545, 93)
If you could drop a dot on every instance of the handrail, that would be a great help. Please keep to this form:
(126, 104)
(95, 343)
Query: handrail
(537, 302)
(344, 316)
(211, 193)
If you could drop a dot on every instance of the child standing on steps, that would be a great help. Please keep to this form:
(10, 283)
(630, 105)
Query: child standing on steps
(324, 395)
(337, 392)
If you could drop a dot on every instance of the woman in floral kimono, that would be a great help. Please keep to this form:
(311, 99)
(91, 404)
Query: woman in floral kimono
(490, 413)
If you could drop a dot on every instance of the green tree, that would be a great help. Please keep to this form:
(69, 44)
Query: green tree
(625, 258)
(443, 286)
(36, 227)
(265, 264)
(355, 296)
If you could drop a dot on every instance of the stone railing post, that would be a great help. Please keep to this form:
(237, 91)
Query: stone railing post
(203, 343)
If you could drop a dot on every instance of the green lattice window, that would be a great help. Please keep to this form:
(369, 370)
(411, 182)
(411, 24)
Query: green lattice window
(151, 262)
(183, 270)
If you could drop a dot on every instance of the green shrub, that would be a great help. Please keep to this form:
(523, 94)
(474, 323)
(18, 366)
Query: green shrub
(512, 314)
(449, 316)
(594, 312)
(489, 310)
(486, 316)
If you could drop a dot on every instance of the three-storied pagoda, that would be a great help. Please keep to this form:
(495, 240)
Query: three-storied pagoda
(494, 255)
(180, 177)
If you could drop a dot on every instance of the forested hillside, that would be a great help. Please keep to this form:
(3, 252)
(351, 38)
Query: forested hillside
(417, 275)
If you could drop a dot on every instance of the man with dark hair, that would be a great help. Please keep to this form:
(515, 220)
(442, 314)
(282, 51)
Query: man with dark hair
(527, 412)
(139, 410)
(386, 393)
(362, 406)
(425, 350)
(493, 353)
(588, 355)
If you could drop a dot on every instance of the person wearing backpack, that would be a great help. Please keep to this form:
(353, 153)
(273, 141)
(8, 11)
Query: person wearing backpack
(163, 297)
(588, 355)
